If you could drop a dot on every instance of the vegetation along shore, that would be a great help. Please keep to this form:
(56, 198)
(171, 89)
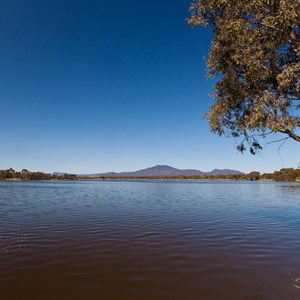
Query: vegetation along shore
(286, 174)
(25, 175)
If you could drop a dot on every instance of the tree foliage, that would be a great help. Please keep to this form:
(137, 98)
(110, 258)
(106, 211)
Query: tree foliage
(286, 174)
(11, 174)
(255, 55)
(253, 176)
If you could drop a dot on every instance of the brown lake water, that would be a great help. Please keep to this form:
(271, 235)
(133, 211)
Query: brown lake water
(149, 240)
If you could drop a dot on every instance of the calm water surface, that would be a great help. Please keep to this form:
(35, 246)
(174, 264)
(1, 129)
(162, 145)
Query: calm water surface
(149, 240)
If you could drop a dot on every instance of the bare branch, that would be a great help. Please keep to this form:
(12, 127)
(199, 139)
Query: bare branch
(277, 141)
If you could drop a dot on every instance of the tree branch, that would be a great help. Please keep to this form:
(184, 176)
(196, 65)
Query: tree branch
(277, 141)
(291, 135)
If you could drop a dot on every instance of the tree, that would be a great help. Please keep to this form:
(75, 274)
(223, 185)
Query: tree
(253, 176)
(255, 55)
(286, 174)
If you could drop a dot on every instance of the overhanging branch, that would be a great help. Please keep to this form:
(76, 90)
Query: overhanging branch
(291, 135)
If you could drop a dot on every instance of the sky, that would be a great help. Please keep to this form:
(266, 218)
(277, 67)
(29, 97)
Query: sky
(91, 86)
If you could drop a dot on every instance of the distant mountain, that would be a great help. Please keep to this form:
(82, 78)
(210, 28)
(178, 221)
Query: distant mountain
(224, 172)
(164, 170)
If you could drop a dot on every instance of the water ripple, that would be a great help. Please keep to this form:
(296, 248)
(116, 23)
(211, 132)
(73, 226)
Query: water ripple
(149, 240)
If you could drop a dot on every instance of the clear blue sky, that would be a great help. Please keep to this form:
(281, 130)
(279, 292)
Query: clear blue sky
(94, 86)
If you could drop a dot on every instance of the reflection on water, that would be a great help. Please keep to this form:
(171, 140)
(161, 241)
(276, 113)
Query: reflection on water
(149, 240)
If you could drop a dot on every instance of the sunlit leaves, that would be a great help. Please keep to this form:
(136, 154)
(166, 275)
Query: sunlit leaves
(256, 54)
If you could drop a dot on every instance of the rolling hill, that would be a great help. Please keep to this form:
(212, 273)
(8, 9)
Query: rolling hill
(164, 170)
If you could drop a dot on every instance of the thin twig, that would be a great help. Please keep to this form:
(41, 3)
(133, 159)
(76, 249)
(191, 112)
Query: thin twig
(277, 141)
(279, 151)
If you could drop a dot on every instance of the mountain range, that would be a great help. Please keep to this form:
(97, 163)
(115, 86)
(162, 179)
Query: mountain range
(164, 170)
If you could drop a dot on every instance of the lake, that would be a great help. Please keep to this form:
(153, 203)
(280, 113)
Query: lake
(149, 240)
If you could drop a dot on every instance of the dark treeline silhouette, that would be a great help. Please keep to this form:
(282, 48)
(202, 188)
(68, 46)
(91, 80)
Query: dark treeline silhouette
(177, 177)
(288, 174)
(11, 174)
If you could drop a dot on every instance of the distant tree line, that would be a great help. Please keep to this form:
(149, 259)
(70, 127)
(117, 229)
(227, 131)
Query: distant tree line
(287, 174)
(11, 174)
